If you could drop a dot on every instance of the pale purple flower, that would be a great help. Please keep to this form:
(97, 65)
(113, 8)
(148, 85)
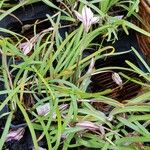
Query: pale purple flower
(91, 126)
(87, 125)
(15, 134)
(26, 47)
(87, 18)
(44, 109)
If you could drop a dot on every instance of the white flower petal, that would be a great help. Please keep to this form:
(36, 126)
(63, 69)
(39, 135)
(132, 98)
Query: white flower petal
(84, 16)
(87, 18)
(79, 16)
(87, 15)
(95, 20)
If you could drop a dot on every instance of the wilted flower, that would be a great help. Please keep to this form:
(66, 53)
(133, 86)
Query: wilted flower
(15, 134)
(43, 110)
(26, 47)
(91, 126)
(87, 18)
(117, 79)
(87, 125)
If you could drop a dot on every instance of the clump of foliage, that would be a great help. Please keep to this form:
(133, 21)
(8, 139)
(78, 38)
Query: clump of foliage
(49, 84)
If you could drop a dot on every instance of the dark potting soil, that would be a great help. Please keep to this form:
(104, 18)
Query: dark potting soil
(26, 15)
(2, 98)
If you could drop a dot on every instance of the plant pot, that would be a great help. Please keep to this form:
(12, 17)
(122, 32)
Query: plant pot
(144, 41)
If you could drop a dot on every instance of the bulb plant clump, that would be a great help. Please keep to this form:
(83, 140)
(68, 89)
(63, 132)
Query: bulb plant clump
(73, 75)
